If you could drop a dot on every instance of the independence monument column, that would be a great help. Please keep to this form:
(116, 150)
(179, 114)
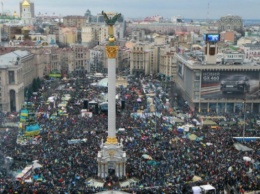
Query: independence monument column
(111, 159)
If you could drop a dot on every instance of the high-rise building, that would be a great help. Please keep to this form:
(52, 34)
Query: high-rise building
(230, 22)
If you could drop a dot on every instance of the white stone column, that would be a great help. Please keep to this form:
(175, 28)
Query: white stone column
(106, 170)
(123, 169)
(111, 97)
(103, 170)
(117, 170)
(99, 169)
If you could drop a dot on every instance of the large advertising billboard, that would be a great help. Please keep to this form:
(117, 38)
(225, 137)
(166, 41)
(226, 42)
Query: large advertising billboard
(230, 84)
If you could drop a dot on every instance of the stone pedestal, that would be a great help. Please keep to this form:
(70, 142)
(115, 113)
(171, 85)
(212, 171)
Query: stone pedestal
(112, 157)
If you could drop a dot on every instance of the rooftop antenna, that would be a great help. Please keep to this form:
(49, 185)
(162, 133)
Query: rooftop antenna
(208, 10)
(2, 4)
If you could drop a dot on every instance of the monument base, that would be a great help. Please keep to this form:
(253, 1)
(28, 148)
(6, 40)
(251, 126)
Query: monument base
(111, 160)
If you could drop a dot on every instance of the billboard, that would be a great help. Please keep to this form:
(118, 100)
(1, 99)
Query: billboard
(230, 85)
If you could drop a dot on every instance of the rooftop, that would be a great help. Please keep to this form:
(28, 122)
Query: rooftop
(10, 59)
(195, 60)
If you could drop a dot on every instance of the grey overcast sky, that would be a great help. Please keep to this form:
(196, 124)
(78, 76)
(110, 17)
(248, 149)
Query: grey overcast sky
(197, 9)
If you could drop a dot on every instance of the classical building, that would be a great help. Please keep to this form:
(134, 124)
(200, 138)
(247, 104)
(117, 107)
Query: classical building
(251, 50)
(152, 59)
(230, 22)
(17, 71)
(81, 57)
(140, 59)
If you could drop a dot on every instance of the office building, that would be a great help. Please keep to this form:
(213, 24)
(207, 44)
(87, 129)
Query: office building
(210, 87)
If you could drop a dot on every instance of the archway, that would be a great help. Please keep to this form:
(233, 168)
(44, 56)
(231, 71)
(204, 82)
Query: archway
(12, 101)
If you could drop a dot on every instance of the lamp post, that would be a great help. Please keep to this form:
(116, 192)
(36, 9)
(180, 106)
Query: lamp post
(244, 124)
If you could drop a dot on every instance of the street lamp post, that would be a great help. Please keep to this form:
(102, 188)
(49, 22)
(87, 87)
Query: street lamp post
(244, 124)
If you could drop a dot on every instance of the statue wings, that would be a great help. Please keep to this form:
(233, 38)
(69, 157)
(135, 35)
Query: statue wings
(105, 17)
(110, 21)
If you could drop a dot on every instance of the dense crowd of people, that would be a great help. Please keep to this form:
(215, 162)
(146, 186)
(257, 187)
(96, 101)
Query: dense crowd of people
(175, 159)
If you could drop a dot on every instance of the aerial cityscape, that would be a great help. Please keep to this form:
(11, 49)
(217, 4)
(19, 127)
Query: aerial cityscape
(133, 97)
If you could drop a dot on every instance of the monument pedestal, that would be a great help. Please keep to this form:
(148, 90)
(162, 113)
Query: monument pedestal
(111, 157)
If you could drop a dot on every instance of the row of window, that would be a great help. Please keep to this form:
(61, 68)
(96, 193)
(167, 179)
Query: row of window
(235, 56)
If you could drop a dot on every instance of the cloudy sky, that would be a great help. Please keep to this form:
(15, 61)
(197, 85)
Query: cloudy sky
(197, 9)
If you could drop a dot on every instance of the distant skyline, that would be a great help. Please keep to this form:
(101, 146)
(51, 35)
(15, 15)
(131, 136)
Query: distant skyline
(194, 9)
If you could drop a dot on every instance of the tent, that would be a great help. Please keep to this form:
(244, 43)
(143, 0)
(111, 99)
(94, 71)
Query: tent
(209, 123)
(152, 162)
(245, 158)
(241, 147)
(192, 137)
(180, 129)
(146, 156)
(196, 178)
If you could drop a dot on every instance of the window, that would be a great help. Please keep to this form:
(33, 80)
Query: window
(11, 77)
(197, 76)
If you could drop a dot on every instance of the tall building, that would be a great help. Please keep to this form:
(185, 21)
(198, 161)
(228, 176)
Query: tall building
(231, 22)
(31, 8)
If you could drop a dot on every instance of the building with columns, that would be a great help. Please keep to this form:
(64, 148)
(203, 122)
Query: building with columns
(153, 59)
(140, 59)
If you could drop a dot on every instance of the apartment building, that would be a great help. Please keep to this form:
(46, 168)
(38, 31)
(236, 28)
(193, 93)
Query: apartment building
(168, 63)
(74, 21)
(68, 35)
(251, 50)
(90, 33)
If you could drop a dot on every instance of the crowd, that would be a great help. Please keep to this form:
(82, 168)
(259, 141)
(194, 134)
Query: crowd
(175, 158)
